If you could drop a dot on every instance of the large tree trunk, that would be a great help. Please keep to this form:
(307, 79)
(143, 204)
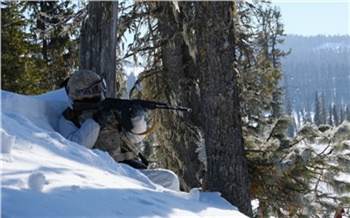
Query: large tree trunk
(227, 164)
(98, 42)
(176, 74)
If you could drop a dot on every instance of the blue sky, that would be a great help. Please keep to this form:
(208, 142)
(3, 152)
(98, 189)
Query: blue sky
(311, 17)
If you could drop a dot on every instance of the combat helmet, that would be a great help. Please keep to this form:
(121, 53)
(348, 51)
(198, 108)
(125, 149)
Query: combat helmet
(85, 85)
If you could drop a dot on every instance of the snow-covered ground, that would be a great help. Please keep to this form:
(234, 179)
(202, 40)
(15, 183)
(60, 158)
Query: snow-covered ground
(43, 174)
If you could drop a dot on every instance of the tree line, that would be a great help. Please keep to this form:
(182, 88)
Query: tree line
(316, 79)
(221, 59)
(317, 64)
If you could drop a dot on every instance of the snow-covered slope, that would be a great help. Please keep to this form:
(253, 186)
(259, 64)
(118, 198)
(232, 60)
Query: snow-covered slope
(43, 174)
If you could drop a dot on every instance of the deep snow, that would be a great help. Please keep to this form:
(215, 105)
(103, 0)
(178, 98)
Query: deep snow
(43, 174)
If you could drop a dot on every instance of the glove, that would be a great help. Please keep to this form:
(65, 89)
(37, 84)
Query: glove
(103, 116)
(137, 110)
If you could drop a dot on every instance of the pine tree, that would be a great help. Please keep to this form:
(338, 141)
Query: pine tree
(323, 111)
(16, 49)
(44, 61)
(308, 118)
(342, 114)
(289, 109)
(335, 115)
(328, 157)
(167, 76)
(219, 100)
(330, 118)
(58, 54)
(317, 116)
(176, 78)
(270, 36)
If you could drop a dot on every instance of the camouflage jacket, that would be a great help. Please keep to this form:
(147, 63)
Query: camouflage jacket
(111, 137)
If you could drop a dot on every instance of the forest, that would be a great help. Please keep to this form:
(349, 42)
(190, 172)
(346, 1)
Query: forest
(316, 78)
(231, 62)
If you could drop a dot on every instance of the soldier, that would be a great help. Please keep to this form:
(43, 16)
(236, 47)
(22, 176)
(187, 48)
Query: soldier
(87, 123)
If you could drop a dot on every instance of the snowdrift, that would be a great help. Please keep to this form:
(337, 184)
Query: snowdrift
(43, 174)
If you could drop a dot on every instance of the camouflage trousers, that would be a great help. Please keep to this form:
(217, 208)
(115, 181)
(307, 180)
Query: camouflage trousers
(112, 139)
(116, 143)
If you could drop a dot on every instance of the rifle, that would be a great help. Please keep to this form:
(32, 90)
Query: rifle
(124, 106)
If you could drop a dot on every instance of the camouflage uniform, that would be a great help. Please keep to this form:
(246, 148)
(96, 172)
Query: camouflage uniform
(112, 138)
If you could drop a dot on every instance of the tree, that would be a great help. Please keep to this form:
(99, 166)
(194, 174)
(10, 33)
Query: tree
(307, 118)
(16, 62)
(58, 53)
(215, 35)
(171, 72)
(289, 110)
(334, 111)
(47, 44)
(323, 111)
(330, 118)
(264, 122)
(98, 42)
(269, 37)
(178, 73)
(342, 114)
(317, 117)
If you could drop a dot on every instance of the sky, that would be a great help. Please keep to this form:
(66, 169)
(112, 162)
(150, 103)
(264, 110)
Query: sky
(314, 17)
(43, 174)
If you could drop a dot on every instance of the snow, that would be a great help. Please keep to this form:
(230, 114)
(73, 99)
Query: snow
(44, 174)
(335, 46)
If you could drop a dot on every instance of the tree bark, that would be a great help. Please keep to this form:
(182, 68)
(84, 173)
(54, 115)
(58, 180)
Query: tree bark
(227, 164)
(98, 41)
(180, 80)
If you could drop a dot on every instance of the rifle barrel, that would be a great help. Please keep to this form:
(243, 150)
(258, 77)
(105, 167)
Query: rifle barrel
(121, 103)
(178, 108)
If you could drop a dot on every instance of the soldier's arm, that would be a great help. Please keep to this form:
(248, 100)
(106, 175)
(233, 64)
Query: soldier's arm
(139, 126)
(86, 135)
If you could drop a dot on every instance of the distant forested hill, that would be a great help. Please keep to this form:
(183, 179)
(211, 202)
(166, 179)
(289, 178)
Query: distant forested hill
(317, 64)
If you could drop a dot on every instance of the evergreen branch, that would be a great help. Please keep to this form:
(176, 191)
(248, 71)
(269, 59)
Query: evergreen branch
(148, 73)
(296, 140)
(141, 50)
(125, 22)
(318, 180)
(273, 130)
(254, 151)
(324, 150)
(63, 22)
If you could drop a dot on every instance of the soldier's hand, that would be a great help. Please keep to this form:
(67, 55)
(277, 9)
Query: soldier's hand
(103, 116)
